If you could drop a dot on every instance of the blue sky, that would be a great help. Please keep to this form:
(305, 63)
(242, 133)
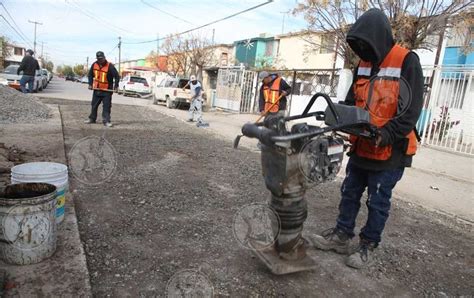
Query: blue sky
(69, 35)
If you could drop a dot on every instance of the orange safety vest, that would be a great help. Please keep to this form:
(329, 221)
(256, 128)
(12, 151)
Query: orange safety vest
(100, 76)
(271, 95)
(379, 96)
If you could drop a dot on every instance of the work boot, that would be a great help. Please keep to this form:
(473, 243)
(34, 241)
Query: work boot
(108, 124)
(202, 124)
(88, 121)
(332, 239)
(363, 256)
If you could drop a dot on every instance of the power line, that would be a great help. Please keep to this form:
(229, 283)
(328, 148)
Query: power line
(13, 28)
(95, 18)
(14, 23)
(110, 52)
(205, 25)
(165, 12)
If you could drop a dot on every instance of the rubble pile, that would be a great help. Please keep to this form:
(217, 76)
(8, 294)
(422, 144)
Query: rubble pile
(17, 107)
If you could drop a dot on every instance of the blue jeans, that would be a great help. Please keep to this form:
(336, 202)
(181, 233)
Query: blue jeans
(27, 79)
(379, 186)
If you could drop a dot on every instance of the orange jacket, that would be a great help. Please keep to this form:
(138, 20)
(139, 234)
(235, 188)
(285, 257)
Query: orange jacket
(379, 95)
(271, 94)
(100, 76)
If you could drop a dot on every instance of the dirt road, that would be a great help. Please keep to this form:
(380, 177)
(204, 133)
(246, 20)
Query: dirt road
(169, 207)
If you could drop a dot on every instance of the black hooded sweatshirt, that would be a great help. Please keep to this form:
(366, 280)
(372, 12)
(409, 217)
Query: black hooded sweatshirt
(373, 27)
(28, 65)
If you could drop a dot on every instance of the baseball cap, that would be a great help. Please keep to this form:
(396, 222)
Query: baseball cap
(263, 75)
(30, 51)
(192, 78)
(99, 54)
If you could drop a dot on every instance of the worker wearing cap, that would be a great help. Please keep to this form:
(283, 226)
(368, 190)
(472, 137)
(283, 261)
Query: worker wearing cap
(273, 87)
(195, 109)
(29, 65)
(104, 80)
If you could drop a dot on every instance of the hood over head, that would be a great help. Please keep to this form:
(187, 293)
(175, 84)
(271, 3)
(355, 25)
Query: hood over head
(371, 36)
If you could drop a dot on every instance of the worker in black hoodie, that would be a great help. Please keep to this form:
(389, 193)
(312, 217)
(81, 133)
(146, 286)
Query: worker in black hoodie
(388, 82)
(28, 66)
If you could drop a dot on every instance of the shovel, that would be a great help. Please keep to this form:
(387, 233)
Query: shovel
(237, 138)
(97, 89)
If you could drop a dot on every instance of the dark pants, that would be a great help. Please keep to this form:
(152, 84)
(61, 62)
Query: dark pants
(106, 99)
(379, 186)
(26, 79)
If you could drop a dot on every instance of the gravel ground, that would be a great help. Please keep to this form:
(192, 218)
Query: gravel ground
(17, 107)
(169, 207)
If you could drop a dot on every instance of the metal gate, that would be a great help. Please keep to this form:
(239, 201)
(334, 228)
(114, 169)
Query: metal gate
(447, 118)
(235, 89)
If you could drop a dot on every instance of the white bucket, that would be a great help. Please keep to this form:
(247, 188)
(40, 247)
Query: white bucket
(46, 172)
(28, 232)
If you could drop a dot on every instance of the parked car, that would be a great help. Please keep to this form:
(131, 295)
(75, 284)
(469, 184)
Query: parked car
(70, 77)
(84, 80)
(9, 74)
(3, 81)
(49, 75)
(44, 74)
(134, 85)
(40, 81)
(170, 91)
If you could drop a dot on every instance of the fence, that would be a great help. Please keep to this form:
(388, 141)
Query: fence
(235, 89)
(447, 118)
(238, 89)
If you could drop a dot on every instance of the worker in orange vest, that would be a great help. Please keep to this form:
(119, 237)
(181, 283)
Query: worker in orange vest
(273, 86)
(104, 80)
(388, 83)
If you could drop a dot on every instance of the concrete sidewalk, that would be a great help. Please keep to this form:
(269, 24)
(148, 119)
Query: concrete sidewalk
(65, 274)
(439, 181)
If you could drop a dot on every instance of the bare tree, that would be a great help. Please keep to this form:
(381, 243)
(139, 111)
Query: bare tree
(175, 47)
(413, 21)
(201, 53)
(4, 51)
(188, 54)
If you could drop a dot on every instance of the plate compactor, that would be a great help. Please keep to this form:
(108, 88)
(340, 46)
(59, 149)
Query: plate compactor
(292, 162)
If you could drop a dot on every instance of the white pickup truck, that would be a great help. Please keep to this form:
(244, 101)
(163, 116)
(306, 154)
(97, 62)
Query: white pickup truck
(170, 91)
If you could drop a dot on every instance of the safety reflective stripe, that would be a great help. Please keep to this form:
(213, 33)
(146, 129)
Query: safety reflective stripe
(394, 72)
(364, 71)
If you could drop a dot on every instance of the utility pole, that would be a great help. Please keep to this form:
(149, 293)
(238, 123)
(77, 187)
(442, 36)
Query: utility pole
(120, 53)
(283, 21)
(42, 45)
(157, 44)
(34, 43)
(87, 63)
(213, 34)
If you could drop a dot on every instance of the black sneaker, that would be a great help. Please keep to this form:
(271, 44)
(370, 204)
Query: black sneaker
(332, 239)
(363, 256)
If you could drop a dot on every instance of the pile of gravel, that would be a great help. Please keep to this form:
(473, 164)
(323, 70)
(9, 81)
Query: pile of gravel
(17, 107)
